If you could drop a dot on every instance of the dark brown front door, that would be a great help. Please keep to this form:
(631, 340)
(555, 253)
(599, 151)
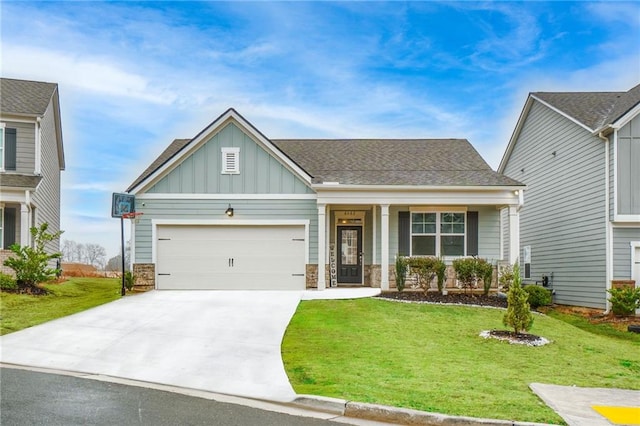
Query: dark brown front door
(350, 254)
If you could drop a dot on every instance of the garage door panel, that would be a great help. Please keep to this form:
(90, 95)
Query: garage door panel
(230, 257)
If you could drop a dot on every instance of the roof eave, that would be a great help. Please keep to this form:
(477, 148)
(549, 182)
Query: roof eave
(339, 187)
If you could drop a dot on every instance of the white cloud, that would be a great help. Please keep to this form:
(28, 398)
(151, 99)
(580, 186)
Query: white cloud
(81, 72)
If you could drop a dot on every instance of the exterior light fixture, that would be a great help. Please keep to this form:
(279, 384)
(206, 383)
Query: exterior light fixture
(229, 211)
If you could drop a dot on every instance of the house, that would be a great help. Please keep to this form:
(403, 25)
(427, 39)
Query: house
(31, 159)
(579, 155)
(233, 209)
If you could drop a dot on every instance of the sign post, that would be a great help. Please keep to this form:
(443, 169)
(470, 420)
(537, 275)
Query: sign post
(123, 205)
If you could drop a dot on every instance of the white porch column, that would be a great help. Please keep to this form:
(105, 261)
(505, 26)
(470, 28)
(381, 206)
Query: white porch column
(514, 234)
(25, 221)
(384, 243)
(322, 245)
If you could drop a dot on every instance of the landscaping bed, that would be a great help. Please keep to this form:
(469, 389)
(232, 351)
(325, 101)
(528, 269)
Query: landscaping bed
(450, 298)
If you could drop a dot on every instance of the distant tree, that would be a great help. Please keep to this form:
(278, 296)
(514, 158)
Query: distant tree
(95, 255)
(115, 263)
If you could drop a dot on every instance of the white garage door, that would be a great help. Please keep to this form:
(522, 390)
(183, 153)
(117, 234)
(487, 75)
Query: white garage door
(230, 257)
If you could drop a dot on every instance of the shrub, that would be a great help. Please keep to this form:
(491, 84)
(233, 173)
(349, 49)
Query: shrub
(471, 269)
(440, 269)
(31, 263)
(423, 269)
(538, 296)
(506, 277)
(518, 315)
(624, 301)
(7, 282)
(401, 272)
(129, 280)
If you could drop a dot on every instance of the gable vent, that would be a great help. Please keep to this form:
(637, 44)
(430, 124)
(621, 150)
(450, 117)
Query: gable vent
(230, 160)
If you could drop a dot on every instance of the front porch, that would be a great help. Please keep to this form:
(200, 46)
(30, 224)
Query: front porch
(359, 240)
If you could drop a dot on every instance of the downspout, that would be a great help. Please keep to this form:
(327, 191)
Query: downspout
(608, 231)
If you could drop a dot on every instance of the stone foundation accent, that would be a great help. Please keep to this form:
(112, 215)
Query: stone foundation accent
(4, 255)
(375, 276)
(311, 274)
(623, 283)
(145, 274)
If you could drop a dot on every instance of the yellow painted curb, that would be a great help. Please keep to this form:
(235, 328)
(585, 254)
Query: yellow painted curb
(620, 415)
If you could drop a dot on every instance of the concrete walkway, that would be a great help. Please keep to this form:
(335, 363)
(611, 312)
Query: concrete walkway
(218, 341)
(575, 405)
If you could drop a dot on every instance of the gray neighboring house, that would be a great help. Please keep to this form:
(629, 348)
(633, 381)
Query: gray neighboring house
(233, 209)
(31, 160)
(579, 155)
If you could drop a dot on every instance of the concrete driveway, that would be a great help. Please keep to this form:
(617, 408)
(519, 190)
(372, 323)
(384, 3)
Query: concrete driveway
(219, 341)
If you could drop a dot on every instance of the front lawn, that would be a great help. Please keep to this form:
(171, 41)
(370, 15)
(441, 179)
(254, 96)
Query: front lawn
(430, 358)
(18, 311)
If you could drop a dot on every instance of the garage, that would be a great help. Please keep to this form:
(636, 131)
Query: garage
(230, 257)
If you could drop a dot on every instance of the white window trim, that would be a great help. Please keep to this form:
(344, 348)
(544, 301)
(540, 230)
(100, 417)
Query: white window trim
(2, 125)
(235, 152)
(438, 234)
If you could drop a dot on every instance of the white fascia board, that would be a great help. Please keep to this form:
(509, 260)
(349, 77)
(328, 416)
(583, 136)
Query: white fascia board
(516, 133)
(319, 188)
(234, 222)
(205, 135)
(14, 195)
(562, 113)
(165, 196)
(20, 118)
(460, 198)
(633, 112)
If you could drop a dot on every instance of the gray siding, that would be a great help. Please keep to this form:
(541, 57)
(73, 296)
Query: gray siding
(47, 196)
(25, 146)
(622, 237)
(628, 159)
(260, 172)
(214, 210)
(563, 219)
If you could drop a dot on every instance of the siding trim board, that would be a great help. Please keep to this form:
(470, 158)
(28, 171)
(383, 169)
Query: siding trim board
(170, 196)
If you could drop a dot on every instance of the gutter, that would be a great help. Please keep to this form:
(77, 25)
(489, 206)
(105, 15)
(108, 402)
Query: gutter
(608, 231)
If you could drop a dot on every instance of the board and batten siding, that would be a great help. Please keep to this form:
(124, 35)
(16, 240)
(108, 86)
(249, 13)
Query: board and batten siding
(563, 219)
(47, 196)
(25, 145)
(628, 159)
(622, 238)
(260, 172)
(203, 210)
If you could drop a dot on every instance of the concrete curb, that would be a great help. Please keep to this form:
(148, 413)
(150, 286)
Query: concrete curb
(388, 414)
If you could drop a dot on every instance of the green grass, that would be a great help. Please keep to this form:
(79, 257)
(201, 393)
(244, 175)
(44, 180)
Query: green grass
(430, 358)
(18, 311)
(602, 329)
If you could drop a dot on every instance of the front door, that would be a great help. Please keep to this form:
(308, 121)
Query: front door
(350, 254)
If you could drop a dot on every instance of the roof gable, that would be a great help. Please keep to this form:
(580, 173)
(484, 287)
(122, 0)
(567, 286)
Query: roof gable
(181, 149)
(23, 97)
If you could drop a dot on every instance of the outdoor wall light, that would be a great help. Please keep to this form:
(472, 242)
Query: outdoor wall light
(229, 211)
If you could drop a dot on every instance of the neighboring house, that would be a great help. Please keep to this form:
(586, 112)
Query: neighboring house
(232, 209)
(579, 155)
(31, 159)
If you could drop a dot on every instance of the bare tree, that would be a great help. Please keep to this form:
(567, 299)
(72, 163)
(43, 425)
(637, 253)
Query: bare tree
(95, 255)
(68, 249)
(115, 263)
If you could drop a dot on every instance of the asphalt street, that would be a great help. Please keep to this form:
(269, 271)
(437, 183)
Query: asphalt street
(33, 398)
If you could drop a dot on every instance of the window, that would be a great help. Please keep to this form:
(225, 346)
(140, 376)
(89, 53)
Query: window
(7, 148)
(230, 160)
(438, 234)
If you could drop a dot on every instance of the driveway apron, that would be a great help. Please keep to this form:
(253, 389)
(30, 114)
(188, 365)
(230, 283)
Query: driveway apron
(220, 341)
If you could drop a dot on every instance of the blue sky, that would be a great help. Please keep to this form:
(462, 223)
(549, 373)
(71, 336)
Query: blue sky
(134, 76)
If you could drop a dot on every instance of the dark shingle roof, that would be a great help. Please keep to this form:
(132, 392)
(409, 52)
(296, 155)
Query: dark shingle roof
(166, 155)
(11, 180)
(425, 162)
(593, 109)
(25, 97)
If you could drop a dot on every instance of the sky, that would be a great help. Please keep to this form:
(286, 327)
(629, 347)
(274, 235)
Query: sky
(133, 76)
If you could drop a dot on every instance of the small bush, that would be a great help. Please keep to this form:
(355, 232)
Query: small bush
(401, 272)
(470, 270)
(538, 296)
(440, 269)
(624, 301)
(518, 315)
(129, 280)
(423, 269)
(7, 282)
(506, 277)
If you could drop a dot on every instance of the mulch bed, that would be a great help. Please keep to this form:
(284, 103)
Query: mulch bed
(30, 290)
(451, 298)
